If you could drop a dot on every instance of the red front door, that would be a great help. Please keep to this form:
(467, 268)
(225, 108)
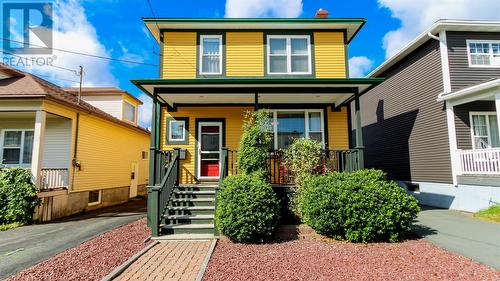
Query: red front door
(209, 147)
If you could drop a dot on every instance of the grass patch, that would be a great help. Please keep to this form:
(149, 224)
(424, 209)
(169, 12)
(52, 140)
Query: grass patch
(490, 214)
(8, 226)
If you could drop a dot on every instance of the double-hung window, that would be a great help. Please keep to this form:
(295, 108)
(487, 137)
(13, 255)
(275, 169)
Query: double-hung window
(17, 147)
(484, 130)
(483, 53)
(210, 54)
(289, 54)
(177, 130)
(288, 125)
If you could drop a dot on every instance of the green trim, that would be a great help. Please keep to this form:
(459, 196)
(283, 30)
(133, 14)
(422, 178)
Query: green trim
(186, 130)
(265, 81)
(196, 122)
(203, 21)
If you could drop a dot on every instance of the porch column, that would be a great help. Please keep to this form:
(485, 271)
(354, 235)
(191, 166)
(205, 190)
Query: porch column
(359, 132)
(38, 143)
(497, 107)
(452, 139)
(152, 148)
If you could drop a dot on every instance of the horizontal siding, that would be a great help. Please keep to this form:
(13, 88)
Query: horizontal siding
(244, 54)
(109, 104)
(106, 151)
(462, 121)
(179, 55)
(338, 129)
(404, 127)
(329, 55)
(461, 75)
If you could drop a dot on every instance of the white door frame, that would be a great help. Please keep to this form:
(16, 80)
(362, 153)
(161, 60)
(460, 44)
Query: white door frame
(198, 152)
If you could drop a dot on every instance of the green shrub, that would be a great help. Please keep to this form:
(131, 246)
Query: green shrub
(18, 197)
(247, 208)
(303, 157)
(361, 206)
(255, 142)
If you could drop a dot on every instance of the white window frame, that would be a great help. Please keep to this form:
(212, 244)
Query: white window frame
(306, 120)
(21, 149)
(170, 139)
(98, 201)
(482, 113)
(288, 39)
(490, 42)
(201, 55)
(135, 111)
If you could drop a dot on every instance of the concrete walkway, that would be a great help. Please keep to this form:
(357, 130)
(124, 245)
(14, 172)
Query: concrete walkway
(462, 234)
(23, 247)
(169, 260)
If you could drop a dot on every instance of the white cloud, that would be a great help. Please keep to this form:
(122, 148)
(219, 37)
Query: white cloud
(416, 16)
(72, 31)
(144, 119)
(263, 8)
(127, 55)
(359, 66)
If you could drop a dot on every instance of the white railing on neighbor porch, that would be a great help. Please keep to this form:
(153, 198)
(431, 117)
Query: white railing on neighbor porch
(480, 161)
(54, 179)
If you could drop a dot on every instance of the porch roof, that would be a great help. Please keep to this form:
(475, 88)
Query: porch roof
(248, 91)
(484, 91)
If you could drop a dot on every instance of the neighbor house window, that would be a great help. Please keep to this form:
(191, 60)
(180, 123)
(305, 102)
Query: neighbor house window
(484, 130)
(94, 197)
(484, 53)
(17, 147)
(288, 54)
(288, 125)
(211, 54)
(129, 112)
(177, 130)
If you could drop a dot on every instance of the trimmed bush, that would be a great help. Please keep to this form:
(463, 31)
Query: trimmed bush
(18, 197)
(255, 142)
(303, 157)
(247, 208)
(361, 206)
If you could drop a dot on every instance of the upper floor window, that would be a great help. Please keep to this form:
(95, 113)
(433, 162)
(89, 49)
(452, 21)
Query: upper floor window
(210, 54)
(17, 147)
(129, 112)
(289, 54)
(483, 53)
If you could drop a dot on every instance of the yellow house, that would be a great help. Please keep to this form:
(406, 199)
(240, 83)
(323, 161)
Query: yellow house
(214, 70)
(85, 150)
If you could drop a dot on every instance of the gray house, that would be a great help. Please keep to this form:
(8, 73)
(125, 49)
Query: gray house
(433, 124)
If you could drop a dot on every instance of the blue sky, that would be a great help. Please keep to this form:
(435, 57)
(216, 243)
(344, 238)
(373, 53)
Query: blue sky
(114, 28)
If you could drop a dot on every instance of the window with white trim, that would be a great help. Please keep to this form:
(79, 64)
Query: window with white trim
(288, 54)
(176, 130)
(484, 130)
(210, 54)
(129, 112)
(16, 147)
(288, 125)
(483, 53)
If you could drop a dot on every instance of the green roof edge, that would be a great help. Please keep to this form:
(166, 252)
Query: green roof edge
(257, 20)
(212, 81)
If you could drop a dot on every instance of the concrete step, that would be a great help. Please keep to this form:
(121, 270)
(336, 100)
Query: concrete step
(192, 219)
(191, 210)
(188, 228)
(196, 187)
(194, 194)
(198, 202)
(186, 236)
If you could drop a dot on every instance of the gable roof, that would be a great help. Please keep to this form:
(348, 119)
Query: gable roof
(25, 85)
(350, 25)
(438, 26)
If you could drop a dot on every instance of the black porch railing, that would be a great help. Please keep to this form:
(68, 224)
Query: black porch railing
(278, 173)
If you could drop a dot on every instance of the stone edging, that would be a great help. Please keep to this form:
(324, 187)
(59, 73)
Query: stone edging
(207, 259)
(120, 269)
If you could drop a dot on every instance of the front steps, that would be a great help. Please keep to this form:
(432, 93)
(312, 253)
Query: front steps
(190, 212)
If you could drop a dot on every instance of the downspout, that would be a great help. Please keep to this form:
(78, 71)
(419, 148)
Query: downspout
(433, 36)
(75, 151)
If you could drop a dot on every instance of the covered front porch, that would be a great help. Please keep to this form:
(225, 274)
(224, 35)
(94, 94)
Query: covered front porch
(473, 126)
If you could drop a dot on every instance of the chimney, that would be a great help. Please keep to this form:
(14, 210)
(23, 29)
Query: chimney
(321, 14)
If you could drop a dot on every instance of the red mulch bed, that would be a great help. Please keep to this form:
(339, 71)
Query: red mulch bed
(335, 260)
(93, 259)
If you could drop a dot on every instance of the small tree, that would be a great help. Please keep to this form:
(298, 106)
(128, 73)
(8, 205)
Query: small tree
(254, 145)
(303, 157)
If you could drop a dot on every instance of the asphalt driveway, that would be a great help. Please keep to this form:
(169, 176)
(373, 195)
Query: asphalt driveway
(462, 234)
(26, 246)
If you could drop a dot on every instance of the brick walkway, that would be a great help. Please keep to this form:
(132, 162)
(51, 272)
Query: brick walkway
(169, 260)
